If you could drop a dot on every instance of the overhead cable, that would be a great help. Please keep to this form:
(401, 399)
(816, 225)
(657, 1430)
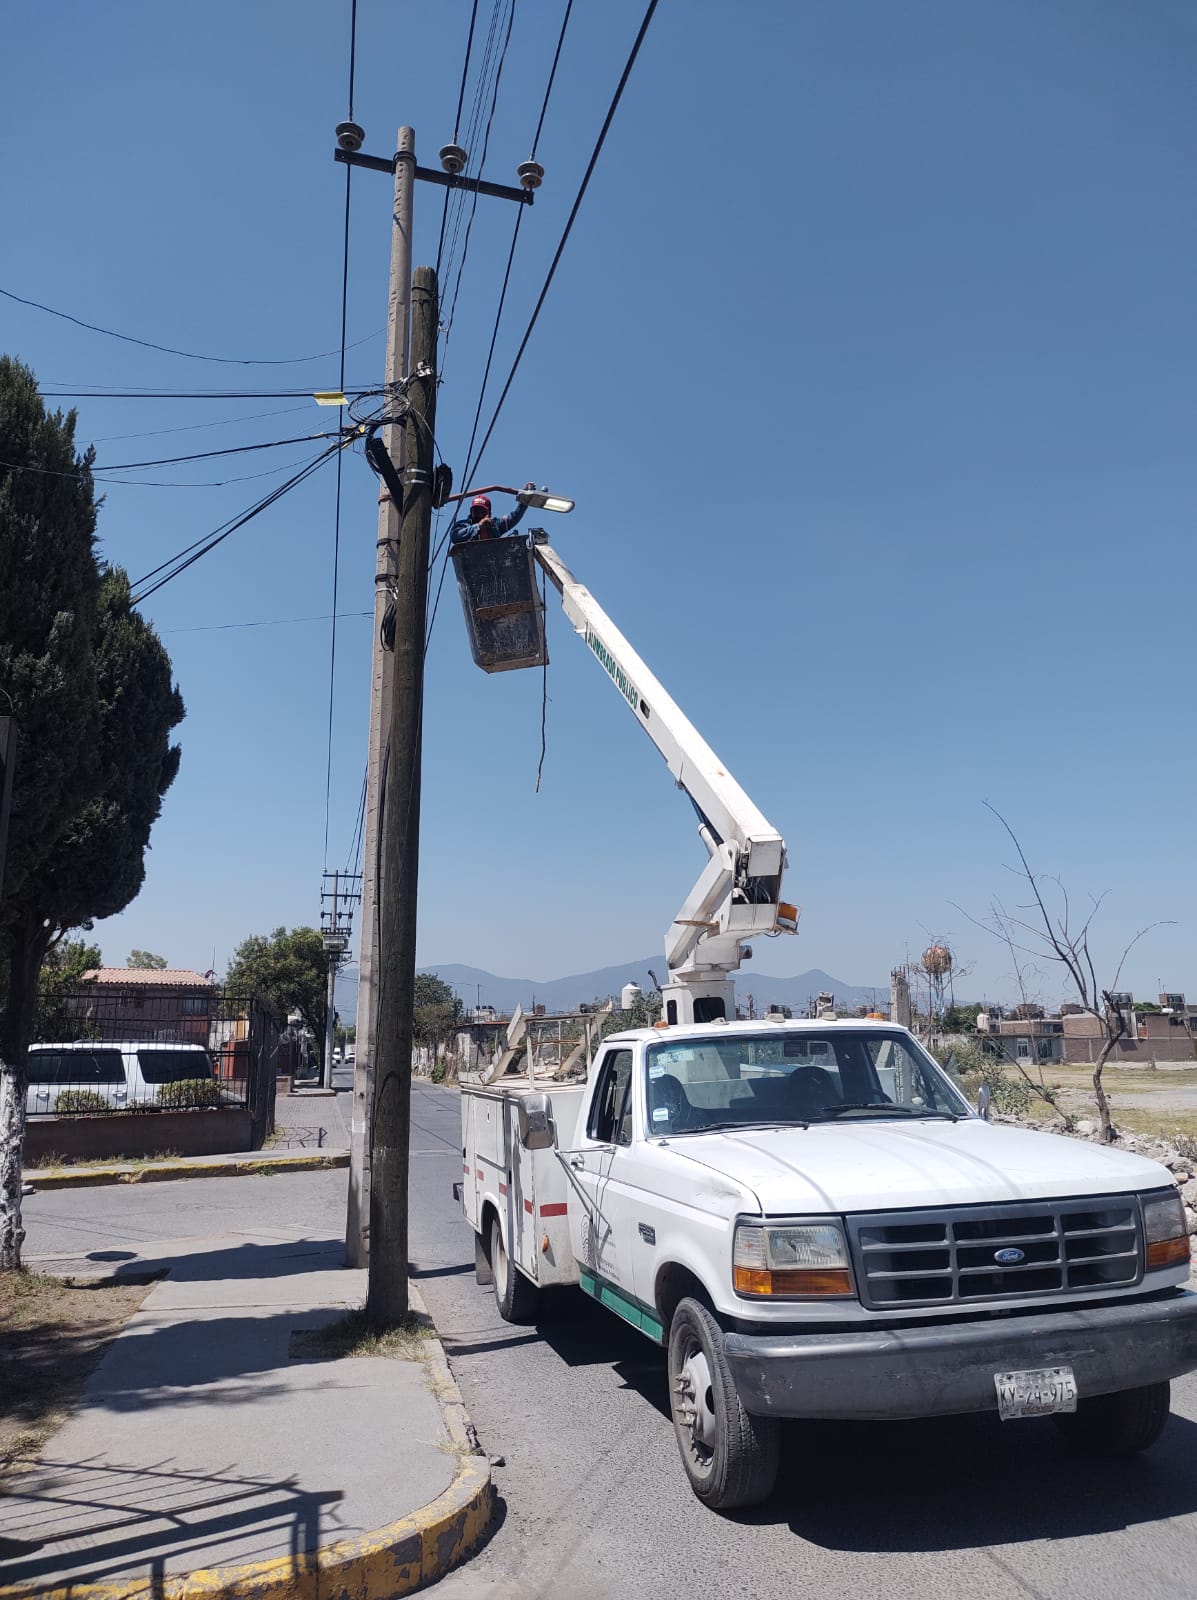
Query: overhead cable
(166, 349)
(336, 571)
(193, 552)
(576, 207)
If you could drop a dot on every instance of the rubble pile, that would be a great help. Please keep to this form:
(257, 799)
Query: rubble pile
(1182, 1167)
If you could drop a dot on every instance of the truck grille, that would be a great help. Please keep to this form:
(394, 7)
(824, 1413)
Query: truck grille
(949, 1256)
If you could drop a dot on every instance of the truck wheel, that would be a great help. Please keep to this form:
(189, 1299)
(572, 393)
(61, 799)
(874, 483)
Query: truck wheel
(1117, 1424)
(730, 1457)
(518, 1300)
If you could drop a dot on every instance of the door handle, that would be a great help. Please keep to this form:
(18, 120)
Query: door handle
(577, 1161)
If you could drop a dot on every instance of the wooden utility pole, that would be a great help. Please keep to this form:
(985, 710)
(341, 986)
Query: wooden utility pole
(357, 1244)
(399, 826)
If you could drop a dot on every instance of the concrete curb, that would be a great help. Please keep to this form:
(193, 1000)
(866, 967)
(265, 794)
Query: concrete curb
(166, 1171)
(406, 1555)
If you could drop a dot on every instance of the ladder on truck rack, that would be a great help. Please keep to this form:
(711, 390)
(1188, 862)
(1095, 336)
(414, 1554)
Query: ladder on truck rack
(521, 1044)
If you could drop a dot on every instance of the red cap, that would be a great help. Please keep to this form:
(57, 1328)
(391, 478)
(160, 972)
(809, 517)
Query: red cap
(480, 503)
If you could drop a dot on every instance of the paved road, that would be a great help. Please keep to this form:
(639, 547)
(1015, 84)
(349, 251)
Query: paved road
(597, 1508)
(594, 1501)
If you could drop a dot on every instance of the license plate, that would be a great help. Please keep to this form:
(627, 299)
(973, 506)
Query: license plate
(1036, 1392)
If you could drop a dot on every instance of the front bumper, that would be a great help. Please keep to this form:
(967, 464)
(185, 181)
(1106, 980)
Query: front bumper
(881, 1374)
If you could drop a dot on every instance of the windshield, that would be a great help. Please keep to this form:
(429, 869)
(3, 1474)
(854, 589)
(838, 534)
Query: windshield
(780, 1079)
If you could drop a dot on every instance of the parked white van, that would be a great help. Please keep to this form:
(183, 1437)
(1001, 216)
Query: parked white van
(122, 1075)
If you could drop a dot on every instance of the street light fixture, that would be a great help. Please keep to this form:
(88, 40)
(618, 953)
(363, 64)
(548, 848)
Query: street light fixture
(542, 500)
(535, 499)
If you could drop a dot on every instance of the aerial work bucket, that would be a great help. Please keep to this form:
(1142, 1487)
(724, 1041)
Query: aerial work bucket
(504, 616)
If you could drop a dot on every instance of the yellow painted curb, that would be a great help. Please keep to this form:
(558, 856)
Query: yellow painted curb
(416, 1550)
(119, 1172)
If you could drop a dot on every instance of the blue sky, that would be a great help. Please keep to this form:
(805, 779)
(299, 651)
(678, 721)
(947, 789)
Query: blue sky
(870, 365)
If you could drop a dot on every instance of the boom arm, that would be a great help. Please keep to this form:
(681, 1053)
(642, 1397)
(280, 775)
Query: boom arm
(739, 892)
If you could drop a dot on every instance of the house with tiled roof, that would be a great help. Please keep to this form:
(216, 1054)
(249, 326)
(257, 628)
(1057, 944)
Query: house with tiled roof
(161, 1004)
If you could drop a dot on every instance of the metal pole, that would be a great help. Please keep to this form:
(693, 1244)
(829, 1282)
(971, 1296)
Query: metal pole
(357, 1230)
(386, 1296)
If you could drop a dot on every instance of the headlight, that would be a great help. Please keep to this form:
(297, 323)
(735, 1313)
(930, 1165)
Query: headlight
(797, 1260)
(1165, 1230)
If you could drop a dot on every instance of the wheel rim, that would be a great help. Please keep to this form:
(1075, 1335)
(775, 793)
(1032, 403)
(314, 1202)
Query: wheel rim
(693, 1406)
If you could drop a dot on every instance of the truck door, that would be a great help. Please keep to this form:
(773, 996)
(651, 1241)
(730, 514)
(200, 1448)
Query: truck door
(601, 1147)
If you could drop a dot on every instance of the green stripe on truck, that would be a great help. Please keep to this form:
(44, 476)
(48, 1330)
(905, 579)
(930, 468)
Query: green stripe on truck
(624, 1305)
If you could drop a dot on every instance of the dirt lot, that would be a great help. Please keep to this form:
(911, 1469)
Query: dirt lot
(1142, 1100)
(51, 1336)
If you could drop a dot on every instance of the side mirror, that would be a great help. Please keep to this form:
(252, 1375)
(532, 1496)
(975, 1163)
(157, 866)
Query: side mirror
(537, 1131)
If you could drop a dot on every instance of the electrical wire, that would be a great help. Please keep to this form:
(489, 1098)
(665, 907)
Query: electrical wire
(166, 349)
(336, 572)
(206, 455)
(462, 197)
(191, 427)
(575, 208)
(261, 622)
(191, 394)
(465, 72)
(465, 249)
(178, 563)
(356, 840)
(153, 483)
(470, 465)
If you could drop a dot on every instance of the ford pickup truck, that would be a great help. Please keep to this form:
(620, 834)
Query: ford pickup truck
(813, 1223)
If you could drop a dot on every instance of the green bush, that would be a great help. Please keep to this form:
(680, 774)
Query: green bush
(189, 1094)
(972, 1066)
(437, 1073)
(74, 1101)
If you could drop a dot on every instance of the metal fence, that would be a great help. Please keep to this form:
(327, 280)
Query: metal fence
(104, 1049)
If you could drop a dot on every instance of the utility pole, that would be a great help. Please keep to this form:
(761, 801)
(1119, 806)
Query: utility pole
(386, 1299)
(357, 1241)
(404, 171)
(336, 926)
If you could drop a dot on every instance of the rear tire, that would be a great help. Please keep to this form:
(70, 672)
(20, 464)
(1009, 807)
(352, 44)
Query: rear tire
(1117, 1424)
(730, 1456)
(518, 1299)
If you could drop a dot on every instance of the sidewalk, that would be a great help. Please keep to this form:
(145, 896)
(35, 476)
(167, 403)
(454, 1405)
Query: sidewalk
(311, 1132)
(205, 1460)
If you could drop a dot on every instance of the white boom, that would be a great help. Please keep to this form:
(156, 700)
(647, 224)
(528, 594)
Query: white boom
(739, 892)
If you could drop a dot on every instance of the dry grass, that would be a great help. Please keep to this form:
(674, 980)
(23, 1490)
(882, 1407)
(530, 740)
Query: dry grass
(52, 1335)
(352, 1335)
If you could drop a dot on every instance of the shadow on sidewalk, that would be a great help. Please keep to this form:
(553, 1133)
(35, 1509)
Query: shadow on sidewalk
(134, 1511)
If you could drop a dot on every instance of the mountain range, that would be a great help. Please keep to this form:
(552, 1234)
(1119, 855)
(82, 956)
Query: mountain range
(476, 986)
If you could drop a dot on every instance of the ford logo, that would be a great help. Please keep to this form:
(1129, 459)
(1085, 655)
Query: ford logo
(1009, 1257)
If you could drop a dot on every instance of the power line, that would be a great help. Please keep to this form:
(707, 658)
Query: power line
(465, 72)
(193, 552)
(336, 572)
(590, 166)
(192, 394)
(166, 349)
(152, 483)
(465, 249)
(262, 622)
(206, 455)
(192, 427)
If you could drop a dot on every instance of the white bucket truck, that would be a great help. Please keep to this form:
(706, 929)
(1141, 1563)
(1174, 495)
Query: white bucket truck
(807, 1215)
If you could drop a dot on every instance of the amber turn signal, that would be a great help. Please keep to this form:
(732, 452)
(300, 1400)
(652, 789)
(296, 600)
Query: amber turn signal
(793, 1281)
(1168, 1252)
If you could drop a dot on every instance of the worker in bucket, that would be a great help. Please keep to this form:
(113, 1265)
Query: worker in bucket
(479, 523)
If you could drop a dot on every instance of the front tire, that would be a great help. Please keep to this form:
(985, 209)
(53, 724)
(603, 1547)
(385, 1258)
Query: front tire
(1117, 1424)
(517, 1299)
(730, 1456)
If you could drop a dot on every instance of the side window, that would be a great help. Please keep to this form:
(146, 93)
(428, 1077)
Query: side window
(611, 1112)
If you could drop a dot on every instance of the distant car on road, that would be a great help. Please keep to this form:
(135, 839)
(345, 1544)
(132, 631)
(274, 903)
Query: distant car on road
(337, 1056)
